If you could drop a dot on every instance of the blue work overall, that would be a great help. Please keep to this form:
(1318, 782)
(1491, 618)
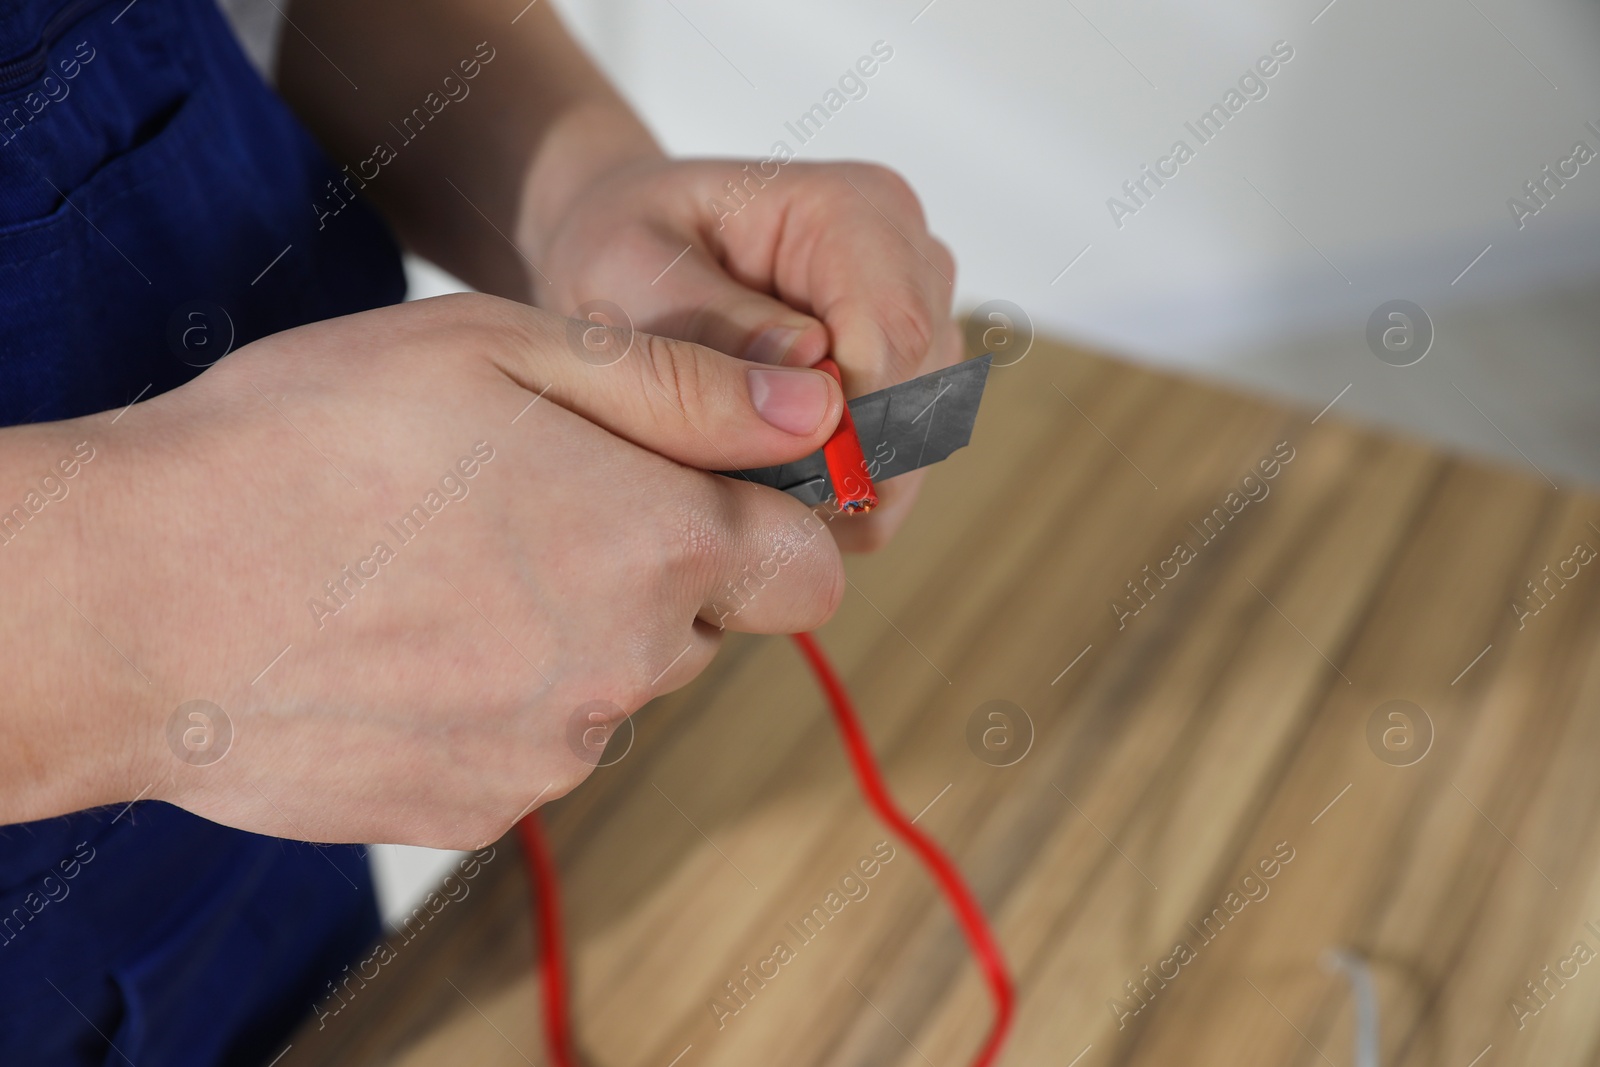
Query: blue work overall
(149, 176)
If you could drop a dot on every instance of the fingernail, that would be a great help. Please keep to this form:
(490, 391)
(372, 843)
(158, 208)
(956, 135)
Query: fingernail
(794, 401)
(771, 345)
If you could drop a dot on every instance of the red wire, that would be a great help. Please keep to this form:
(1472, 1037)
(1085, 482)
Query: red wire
(847, 466)
(547, 903)
(969, 914)
(542, 873)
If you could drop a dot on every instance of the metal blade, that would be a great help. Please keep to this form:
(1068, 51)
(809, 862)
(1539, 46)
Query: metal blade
(902, 428)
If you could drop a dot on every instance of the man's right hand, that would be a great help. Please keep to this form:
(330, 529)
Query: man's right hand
(399, 581)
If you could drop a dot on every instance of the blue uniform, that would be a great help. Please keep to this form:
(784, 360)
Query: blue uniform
(148, 176)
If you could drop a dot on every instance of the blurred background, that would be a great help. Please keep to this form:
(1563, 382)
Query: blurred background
(1381, 164)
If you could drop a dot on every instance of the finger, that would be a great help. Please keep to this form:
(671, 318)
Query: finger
(681, 400)
(779, 572)
(699, 301)
(876, 278)
(870, 532)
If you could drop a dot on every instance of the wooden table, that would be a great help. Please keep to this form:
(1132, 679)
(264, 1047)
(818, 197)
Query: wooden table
(1176, 751)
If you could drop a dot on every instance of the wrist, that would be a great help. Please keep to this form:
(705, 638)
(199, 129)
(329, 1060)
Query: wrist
(593, 139)
(74, 720)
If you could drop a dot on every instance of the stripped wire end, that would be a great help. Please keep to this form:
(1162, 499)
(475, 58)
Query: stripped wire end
(858, 507)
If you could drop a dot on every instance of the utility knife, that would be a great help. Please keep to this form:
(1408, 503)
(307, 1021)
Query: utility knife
(902, 428)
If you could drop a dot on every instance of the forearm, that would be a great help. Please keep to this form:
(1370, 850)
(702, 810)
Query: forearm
(476, 184)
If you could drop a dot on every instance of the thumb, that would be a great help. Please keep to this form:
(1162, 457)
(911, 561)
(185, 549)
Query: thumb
(676, 398)
(732, 317)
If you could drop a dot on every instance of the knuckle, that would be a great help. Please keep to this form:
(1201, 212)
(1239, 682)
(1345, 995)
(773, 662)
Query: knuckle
(484, 311)
(490, 828)
(635, 675)
(907, 322)
(630, 679)
(576, 774)
(672, 376)
(493, 328)
(499, 812)
(469, 831)
(889, 184)
(698, 529)
(462, 304)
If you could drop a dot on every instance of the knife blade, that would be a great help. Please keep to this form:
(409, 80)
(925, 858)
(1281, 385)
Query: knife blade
(902, 428)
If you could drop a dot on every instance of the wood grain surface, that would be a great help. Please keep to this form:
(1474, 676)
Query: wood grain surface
(1206, 772)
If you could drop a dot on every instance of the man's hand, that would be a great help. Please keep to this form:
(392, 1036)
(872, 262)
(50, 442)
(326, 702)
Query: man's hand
(796, 262)
(408, 553)
(542, 185)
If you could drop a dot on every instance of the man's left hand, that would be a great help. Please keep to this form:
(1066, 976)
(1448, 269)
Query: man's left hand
(787, 264)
